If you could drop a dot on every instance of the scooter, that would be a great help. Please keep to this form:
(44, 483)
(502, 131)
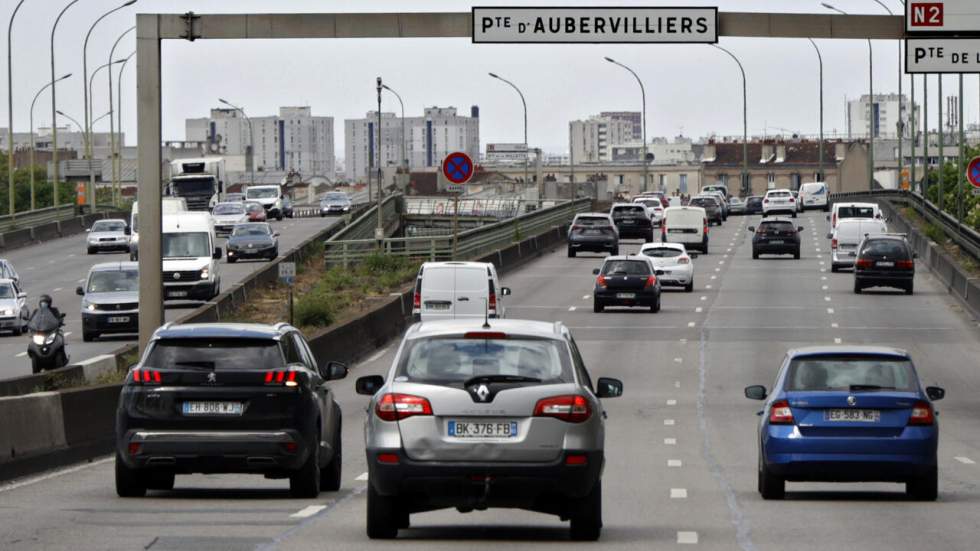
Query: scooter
(47, 348)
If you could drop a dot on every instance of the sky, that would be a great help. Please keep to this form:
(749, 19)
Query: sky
(692, 90)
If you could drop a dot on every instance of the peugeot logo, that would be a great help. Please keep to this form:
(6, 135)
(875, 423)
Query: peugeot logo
(852, 401)
(482, 392)
(212, 378)
(176, 275)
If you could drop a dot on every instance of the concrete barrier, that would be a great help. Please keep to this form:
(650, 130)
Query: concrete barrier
(53, 230)
(17, 239)
(90, 415)
(30, 425)
(47, 232)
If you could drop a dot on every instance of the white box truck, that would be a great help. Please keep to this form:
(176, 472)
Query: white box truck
(199, 181)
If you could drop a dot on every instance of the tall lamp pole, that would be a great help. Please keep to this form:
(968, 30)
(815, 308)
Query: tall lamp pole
(43, 88)
(746, 184)
(643, 97)
(379, 231)
(820, 60)
(871, 106)
(54, 109)
(250, 152)
(10, 110)
(901, 118)
(112, 123)
(402, 104)
(526, 149)
(119, 97)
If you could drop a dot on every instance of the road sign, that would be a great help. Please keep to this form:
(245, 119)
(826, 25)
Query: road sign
(594, 25)
(973, 173)
(454, 188)
(287, 272)
(942, 16)
(942, 55)
(506, 151)
(458, 167)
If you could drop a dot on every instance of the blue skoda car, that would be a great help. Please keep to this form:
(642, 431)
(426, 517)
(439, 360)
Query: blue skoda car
(848, 414)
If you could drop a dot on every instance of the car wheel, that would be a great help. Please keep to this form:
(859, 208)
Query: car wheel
(925, 488)
(794, 214)
(160, 480)
(586, 516)
(834, 268)
(382, 515)
(330, 477)
(649, 238)
(770, 485)
(91, 250)
(279, 217)
(826, 208)
(796, 254)
(755, 255)
(909, 289)
(689, 288)
(857, 287)
(232, 260)
(129, 482)
(705, 248)
(89, 337)
(597, 306)
(305, 482)
(615, 252)
(656, 306)
(571, 253)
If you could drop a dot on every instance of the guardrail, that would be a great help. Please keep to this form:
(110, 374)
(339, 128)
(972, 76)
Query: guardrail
(471, 243)
(362, 227)
(37, 217)
(443, 206)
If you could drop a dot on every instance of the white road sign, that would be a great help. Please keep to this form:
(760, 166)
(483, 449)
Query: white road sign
(591, 25)
(942, 16)
(506, 151)
(942, 55)
(287, 272)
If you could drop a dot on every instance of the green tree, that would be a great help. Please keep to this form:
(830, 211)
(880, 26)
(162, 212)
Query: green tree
(43, 193)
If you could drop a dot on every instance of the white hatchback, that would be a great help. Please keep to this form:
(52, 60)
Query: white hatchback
(779, 201)
(675, 263)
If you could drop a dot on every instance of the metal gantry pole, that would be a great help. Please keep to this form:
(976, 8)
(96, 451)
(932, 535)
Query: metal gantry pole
(942, 145)
(112, 135)
(960, 169)
(10, 111)
(912, 121)
(746, 184)
(925, 134)
(643, 98)
(54, 109)
(820, 61)
(526, 148)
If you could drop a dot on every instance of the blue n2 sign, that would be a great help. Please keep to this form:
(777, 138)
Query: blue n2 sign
(458, 167)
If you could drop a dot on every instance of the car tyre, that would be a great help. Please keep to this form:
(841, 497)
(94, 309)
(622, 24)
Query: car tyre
(755, 255)
(160, 480)
(129, 482)
(330, 477)
(91, 250)
(794, 214)
(656, 306)
(826, 208)
(305, 482)
(925, 488)
(232, 260)
(615, 252)
(857, 287)
(770, 485)
(571, 253)
(689, 288)
(586, 516)
(597, 306)
(796, 254)
(382, 515)
(89, 337)
(834, 268)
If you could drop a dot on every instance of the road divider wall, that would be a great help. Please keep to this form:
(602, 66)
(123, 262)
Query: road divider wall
(47, 231)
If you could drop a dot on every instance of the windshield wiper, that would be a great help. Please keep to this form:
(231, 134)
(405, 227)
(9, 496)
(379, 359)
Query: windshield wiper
(199, 363)
(500, 379)
(870, 387)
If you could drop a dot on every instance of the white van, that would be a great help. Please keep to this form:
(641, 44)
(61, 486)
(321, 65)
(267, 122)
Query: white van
(270, 197)
(687, 225)
(190, 257)
(842, 211)
(846, 237)
(452, 290)
(814, 195)
(168, 205)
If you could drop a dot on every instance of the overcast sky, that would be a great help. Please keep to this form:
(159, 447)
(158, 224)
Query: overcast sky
(691, 89)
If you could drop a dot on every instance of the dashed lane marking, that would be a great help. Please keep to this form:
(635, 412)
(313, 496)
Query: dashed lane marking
(714, 277)
(830, 310)
(308, 511)
(377, 355)
(690, 324)
(22, 354)
(56, 289)
(678, 360)
(826, 299)
(835, 325)
(698, 310)
(571, 308)
(687, 537)
(678, 493)
(838, 340)
(704, 298)
(586, 297)
(824, 288)
(670, 441)
(717, 269)
(673, 463)
(965, 460)
(671, 402)
(668, 422)
(68, 333)
(707, 286)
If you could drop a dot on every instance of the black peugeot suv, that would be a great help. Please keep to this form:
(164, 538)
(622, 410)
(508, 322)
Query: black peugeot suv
(776, 236)
(228, 398)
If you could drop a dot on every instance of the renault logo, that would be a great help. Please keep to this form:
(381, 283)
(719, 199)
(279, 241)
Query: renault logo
(482, 392)
(852, 401)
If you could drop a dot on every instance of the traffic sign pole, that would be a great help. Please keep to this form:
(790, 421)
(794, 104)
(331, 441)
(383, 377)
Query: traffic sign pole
(458, 168)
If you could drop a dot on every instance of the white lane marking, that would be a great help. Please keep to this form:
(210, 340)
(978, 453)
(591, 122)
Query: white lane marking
(22, 354)
(56, 289)
(374, 357)
(707, 286)
(71, 255)
(586, 297)
(362, 477)
(55, 474)
(965, 460)
(717, 269)
(687, 537)
(68, 333)
(308, 511)
(714, 277)
(837, 340)
(826, 299)
(678, 493)
(704, 298)
(835, 325)
(722, 261)
(821, 263)
(823, 270)
(690, 324)
(674, 463)
(571, 308)
(698, 310)
(728, 251)
(819, 256)
(670, 441)
(81, 281)
(30, 267)
(818, 250)
(683, 341)
(823, 278)
(830, 310)
(824, 288)
(668, 422)
(678, 360)
(671, 402)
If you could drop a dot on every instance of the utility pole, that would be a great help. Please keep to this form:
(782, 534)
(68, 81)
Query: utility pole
(10, 111)
(643, 96)
(571, 164)
(942, 145)
(925, 135)
(379, 232)
(746, 184)
(54, 109)
(960, 170)
(912, 145)
(820, 60)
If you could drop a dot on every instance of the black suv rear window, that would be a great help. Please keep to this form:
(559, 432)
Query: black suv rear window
(626, 267)
(215, 354)
(638, 210)
(892, 248)
(778, 226)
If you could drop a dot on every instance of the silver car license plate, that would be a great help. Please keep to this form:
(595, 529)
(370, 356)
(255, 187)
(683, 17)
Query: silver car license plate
(213, 408)
(176, 294)
(626, 295)
(119, 319)
(438, 306)
(886, 264)
(857, 415)
(776, 242)
(482, 429)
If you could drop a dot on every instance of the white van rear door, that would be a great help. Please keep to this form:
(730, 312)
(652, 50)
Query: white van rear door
(472, 292)
(437, 292)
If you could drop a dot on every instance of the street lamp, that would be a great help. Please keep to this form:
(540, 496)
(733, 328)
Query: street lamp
(54, 108)
(820, 60)
(746, 185)
(43, 88)
(119, 112)
(404, 154)
(87, 132)
(643, 96)
(871, 104)
(112, 134)
(10, 109)
(95, 73)
(901, 118)
(250, 152)
(526, 150)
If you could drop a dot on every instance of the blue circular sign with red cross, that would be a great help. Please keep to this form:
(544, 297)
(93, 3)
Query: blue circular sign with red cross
(973, 172)
(458, 167)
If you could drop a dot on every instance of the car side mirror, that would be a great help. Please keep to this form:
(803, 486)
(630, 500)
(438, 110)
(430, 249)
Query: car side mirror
(275, 234)
(799, 228)
(607, 387)
(828, 218)
(128, 231)
(89, 230)
(935, 393)
(595, 271)
(369, 385)
(658, 272)
(79, 291)
(505, 291)
(751, 229)
(830, 236)
(334, 371)
(755, 392)
(217, 253)
(24, 295)
(693, 255)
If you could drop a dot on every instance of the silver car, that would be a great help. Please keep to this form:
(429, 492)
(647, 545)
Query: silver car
(108, 235)
(474, 415)
(14, 313)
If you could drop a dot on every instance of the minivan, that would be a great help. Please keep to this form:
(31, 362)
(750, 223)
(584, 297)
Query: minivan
(687, 225)
(840, 211)
(846, 237)
(190, 255)
(814, 196)
(455, 290)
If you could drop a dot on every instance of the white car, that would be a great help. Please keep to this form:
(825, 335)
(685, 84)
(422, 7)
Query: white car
(675, 262)
(14, 313)
(846, 237)
(814, 195)
(778, 201)
(227, 216)
(456, 290)
(107, 235)
(655, 208)
(843, 211)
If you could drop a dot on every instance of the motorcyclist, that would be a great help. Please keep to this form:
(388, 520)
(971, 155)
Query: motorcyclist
(45, 304)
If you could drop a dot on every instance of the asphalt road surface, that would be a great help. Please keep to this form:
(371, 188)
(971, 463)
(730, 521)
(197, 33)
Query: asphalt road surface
(58, 267)
(680, 446)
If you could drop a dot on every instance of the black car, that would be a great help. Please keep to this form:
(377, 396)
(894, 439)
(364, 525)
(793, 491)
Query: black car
(885, 261)
(626, 281)
(711, 208)
(252, 240)
(776, 236)
(753, 205)
(594, 232)
(228, 398)
(632, 221)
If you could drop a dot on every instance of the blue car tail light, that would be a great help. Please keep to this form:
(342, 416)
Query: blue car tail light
(922, 414)
(780, 413)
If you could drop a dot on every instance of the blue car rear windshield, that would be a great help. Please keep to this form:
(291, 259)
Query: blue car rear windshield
(849, 372)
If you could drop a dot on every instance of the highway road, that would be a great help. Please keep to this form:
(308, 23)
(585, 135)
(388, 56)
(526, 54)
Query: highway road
(680, 444)
(57, 267)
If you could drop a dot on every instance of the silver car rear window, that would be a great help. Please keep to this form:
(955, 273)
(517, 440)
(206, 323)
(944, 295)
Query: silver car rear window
(455, 360)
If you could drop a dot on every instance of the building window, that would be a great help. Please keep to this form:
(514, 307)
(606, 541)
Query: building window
(683, 184)
(723, 179)
(771, 181)
(794, 180)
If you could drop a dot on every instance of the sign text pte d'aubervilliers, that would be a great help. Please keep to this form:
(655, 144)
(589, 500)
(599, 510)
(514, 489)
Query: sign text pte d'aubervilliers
(509, 25)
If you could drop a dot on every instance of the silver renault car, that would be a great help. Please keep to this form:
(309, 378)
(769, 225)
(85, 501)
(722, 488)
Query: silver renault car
(475, 415)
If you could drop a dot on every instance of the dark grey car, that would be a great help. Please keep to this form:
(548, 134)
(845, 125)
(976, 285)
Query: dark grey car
(110, 300)
(593, 232)
(254, 240)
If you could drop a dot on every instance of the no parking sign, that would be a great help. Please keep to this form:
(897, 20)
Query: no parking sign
(973, 174)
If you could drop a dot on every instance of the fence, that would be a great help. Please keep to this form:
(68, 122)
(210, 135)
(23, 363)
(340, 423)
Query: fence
(40, 216)
(470, 244)
(442, 206)
(362, 227)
